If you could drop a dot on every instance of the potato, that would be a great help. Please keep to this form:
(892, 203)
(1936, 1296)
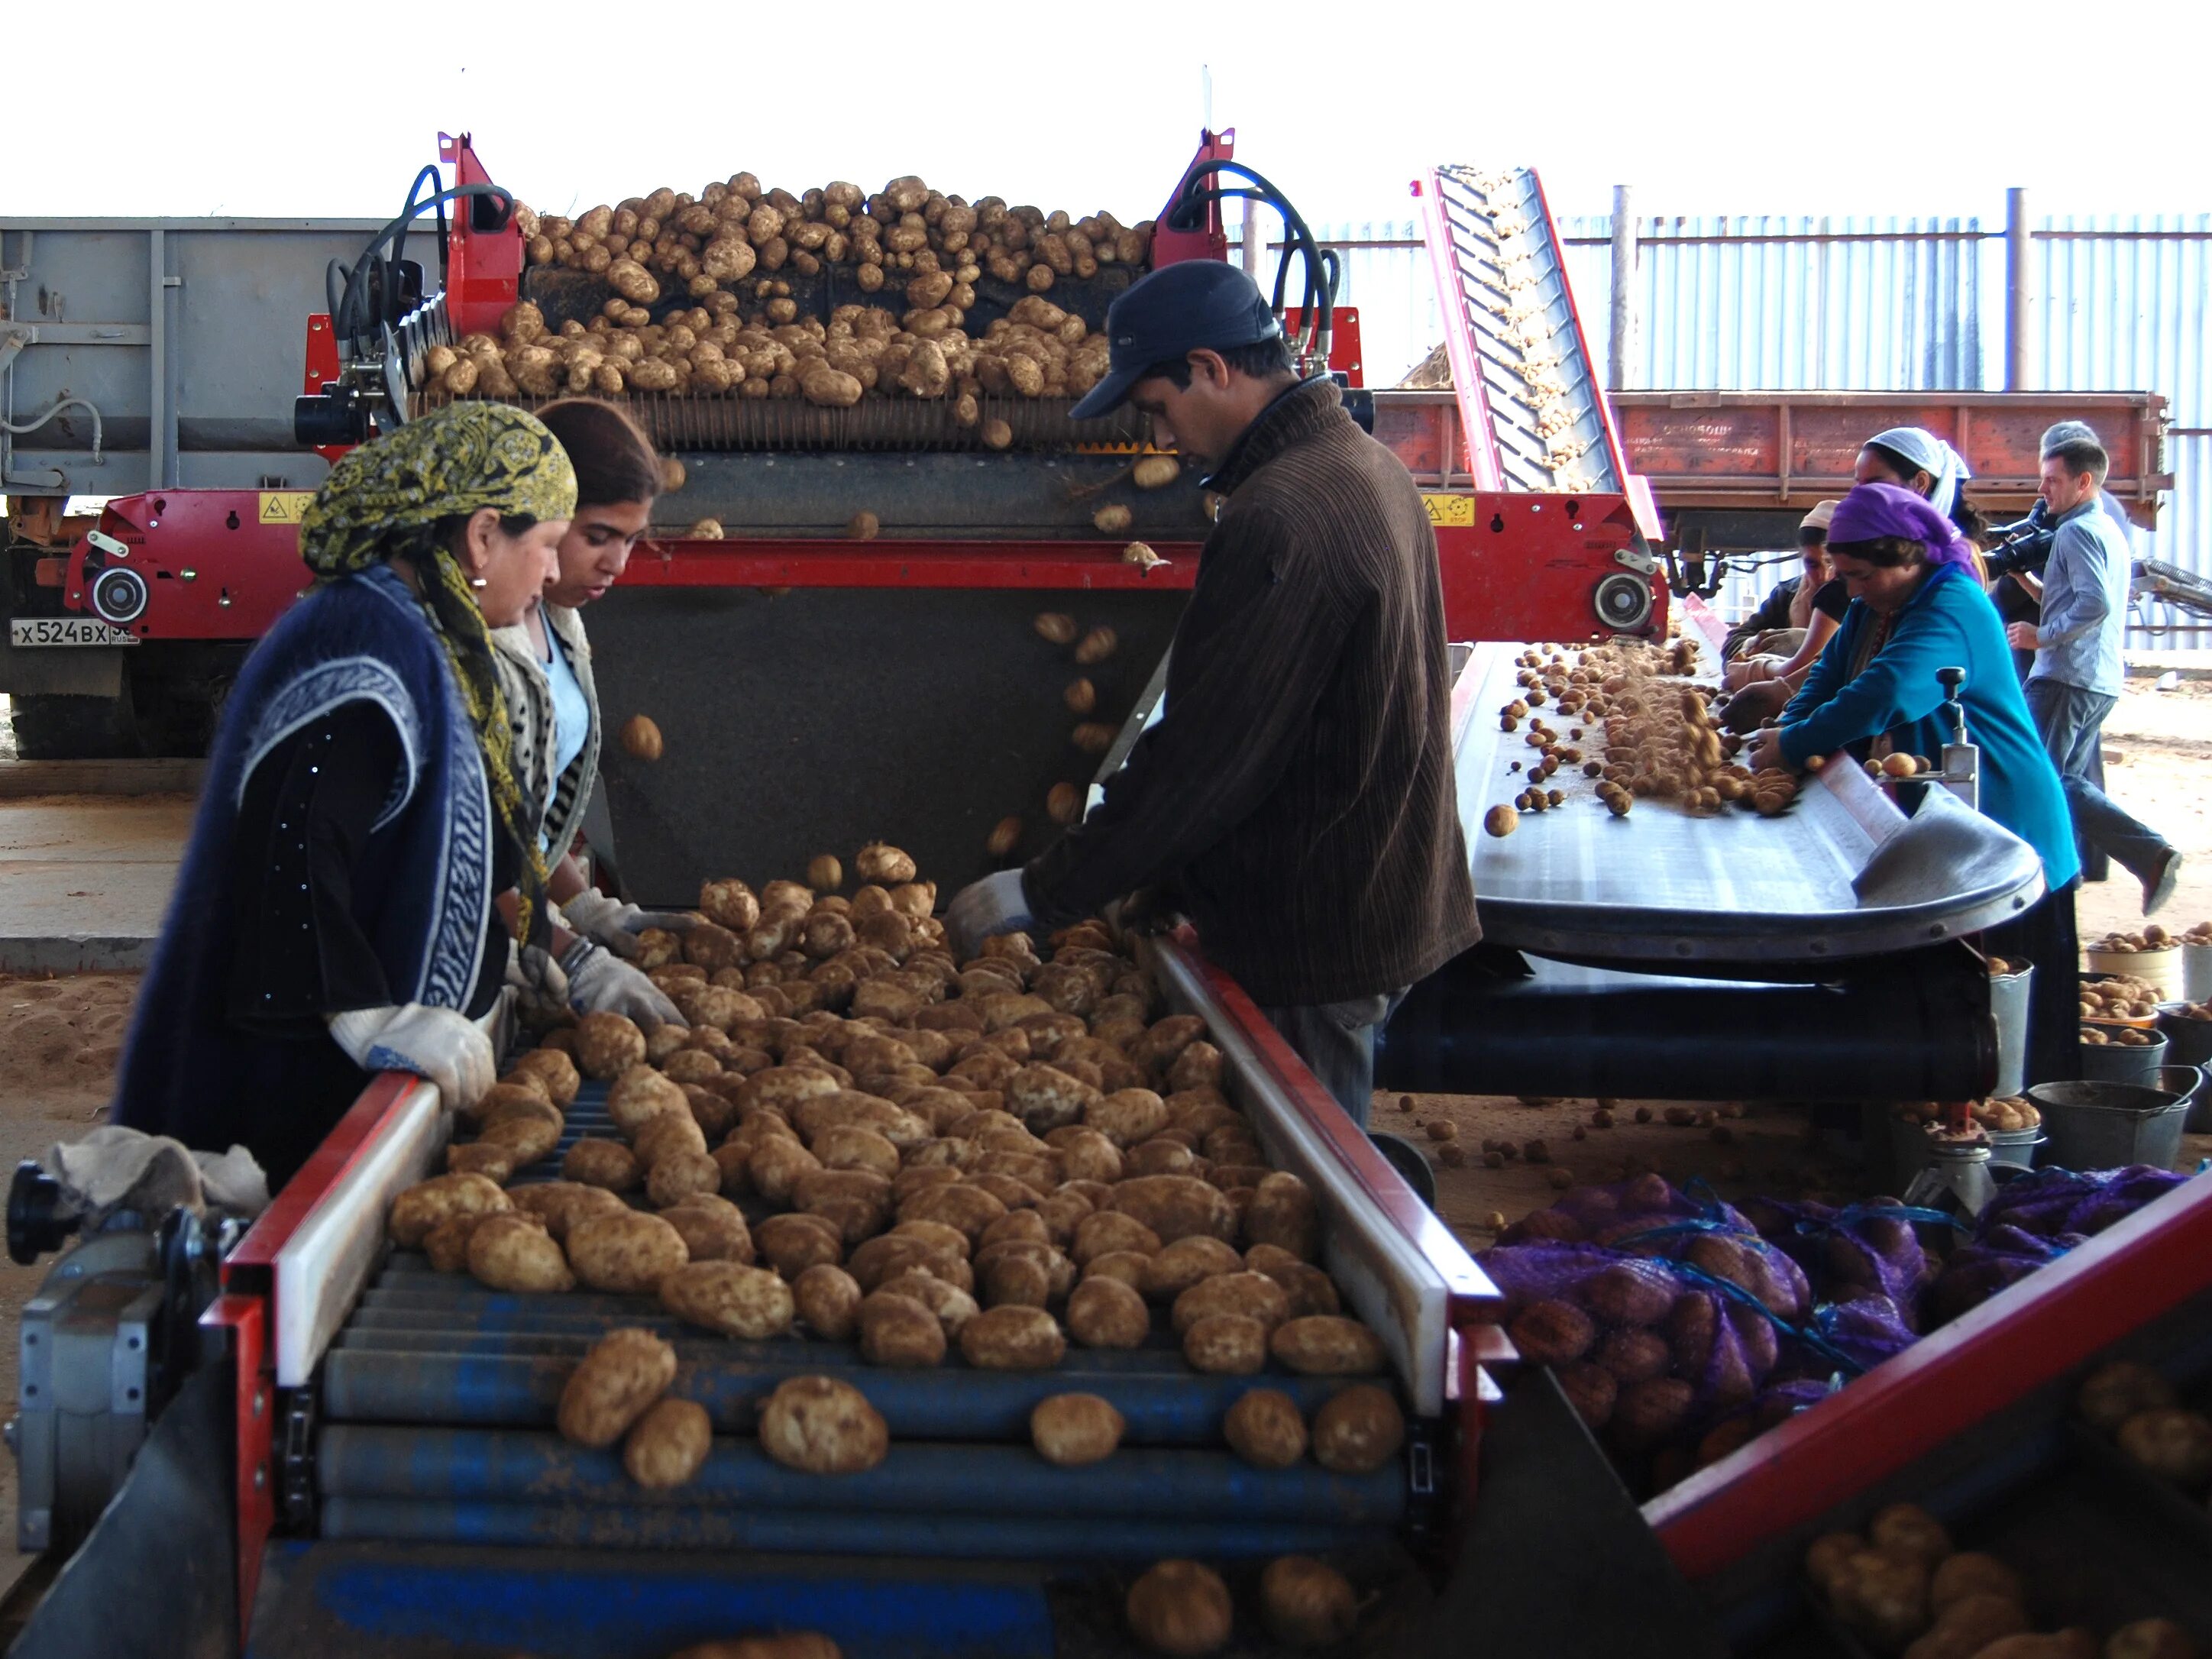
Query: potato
(1310, 1292)
(750, 1303)
(819, 1425)
(1883, 1597)
(883, 865)
(713, 1228)
(1180, 1607)
(1046, 1099)
(607, 1045)
(528, 1099)
(1650, 1413)
(1187, 1262)
(1909, 1530)
(1175, 1206)
(1629, 1293)
(626, 1371)
(629, 1252)
(1358, 1430)
(607, 1164)
(1972, 1573)
(793, 1243)
(2150, 1638)
(1323, 1346)
(1307, 1603)
(560, 1203)
(1247, 1294)
(1967, 1626)
(968, 1209)
(2113, 1393)
(1012, 1339)
(1123, 1267)
(522, 1139)
(419, 1208)
(1128, 1117)
(555, 1070)
(828, 1299)
(1110, 1232)
(676, 1175)
(1283, 1213)
(1072, 1430)
(513, 1252)
(2174, 1445)
(1014, 1279)
(669, 1444)
(899, 1332)
(953, 1306)
(447, 1244)
(775, 1166)
(1552, 1332)
(1225, 1345)
(1164, 1040)
(1825, 1560)
(1266, 1428)
(1104, 1312)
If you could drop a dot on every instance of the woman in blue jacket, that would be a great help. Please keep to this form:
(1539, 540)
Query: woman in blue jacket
(1916, 608)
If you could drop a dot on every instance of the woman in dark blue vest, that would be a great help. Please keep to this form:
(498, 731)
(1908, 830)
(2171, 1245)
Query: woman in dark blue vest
(336, 916)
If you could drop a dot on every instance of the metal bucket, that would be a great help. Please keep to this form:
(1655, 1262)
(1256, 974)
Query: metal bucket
(2190, 1040)
(2160, 969)
(2015, 1146)
(2109, 1126)
(2197, 972)
(1911, 1149)
(2118, 1063)
(2188, 1082)
(2008, 1008)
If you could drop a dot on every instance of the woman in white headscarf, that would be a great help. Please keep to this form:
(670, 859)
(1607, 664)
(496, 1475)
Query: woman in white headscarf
(1915, 458)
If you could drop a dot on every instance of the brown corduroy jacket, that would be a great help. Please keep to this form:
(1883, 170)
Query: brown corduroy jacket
(1296, 798)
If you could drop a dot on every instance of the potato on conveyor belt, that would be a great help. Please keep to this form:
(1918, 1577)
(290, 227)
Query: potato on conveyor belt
(419, 1208)
(668, 1445)
(626, 1371)
(1071, 1429)
(1323, 1346)
(1012, 1339)
(1307, 1603)
(607, 1045)
(1358, 1430)
(629, 1252)
(513, 1252)
(819, 1425)
(1266, 1428)
(1180, 1608)
(898, 1332)
(727, 1297)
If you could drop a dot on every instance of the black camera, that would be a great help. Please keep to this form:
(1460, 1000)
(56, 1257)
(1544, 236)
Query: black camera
(2023, 545)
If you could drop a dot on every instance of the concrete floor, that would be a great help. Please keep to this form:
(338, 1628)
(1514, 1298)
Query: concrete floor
(84, 879)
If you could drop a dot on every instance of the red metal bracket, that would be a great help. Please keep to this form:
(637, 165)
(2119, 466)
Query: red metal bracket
(484, 268)
(241, 1322)
(1172, 247)
(322, 370)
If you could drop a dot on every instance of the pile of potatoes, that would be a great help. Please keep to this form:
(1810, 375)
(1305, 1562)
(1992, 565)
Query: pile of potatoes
(1036, 351)
(996, 1157)
(2006, 1113)
(1904, 1589)
(2200, 934)
(1185, 1607)
(2118, 1036)
(2150, 937)
(2141, 1410)
(2117, 996)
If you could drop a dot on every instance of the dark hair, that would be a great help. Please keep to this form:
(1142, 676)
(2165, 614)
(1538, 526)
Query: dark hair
(614, 461)
(1890, 552)
(1260, 360)
(1811, 535)
(2082, 455)
(1964, 514)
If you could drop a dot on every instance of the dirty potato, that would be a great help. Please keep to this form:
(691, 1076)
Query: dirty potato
(1186, 1262)
(819, 1425)
(828, 1299)
(607, 1164)
(1283, 1213)
(1242, 1294)
(629, 1253)
(555, 1070)
(1307, 1603)
(1225, 1345)
(1358, 1429)
(1322, 1345)
(750, 1303)
(626, 1371)
(1012, 1339)
(713, 1228)
(1105, 1313)
(513, 1252)
(1180, 1608)
(669, 1444)
(1177, 1206)
(899, 1332)
(1266, 1428)
(423, 1205)
(1071, 1429)
(607, 1045)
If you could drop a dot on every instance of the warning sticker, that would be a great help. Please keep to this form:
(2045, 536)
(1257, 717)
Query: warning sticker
(287, 506)
(1450, 510)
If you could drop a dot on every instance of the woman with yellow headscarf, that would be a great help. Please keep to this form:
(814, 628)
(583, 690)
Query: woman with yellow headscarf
(336, 916)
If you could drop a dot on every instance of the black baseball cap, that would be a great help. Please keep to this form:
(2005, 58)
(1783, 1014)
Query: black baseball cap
(1178, 309)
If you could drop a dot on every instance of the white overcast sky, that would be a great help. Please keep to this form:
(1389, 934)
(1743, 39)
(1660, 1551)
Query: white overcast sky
(1752, 105)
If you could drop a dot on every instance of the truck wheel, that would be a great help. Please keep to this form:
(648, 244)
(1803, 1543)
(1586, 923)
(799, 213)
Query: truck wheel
(49, 728)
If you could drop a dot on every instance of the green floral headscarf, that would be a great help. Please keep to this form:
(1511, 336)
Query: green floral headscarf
(389, 497)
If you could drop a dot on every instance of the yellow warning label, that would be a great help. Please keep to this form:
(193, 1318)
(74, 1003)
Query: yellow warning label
(1450, 509)
(285, 506)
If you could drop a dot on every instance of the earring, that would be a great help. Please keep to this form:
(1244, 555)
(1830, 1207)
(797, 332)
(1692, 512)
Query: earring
(477, 582)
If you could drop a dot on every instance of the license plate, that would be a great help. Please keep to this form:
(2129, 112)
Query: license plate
(65, 630)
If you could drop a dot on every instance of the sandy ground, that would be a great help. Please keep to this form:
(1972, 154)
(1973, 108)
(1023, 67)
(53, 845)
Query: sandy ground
(60, 1038)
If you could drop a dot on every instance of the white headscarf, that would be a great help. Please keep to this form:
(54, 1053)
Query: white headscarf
(1930, 454)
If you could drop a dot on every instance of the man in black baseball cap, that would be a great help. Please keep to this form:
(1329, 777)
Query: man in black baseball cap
(1296, 797)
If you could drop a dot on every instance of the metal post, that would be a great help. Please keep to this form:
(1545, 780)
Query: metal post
(1622, 342)
(1248, 251)
(2019, 292)
(160, 435)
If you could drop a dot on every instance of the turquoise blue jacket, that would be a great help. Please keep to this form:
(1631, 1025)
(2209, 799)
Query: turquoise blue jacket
(1949, 623)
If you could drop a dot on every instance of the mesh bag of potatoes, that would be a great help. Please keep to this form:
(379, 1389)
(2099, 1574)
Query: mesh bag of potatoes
(2035, 1220)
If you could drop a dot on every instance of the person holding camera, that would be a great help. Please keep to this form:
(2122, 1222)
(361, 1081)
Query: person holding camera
(2077, 676)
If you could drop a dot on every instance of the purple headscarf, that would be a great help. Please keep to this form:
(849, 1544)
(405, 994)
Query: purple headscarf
(1873, 510)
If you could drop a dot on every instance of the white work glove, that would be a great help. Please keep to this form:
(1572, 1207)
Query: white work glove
(437, 1044)
(541, 989)
(996, 905)
(601, 982)
(609, 921)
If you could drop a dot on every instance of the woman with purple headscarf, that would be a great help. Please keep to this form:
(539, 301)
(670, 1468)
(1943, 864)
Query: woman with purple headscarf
(1916, 608)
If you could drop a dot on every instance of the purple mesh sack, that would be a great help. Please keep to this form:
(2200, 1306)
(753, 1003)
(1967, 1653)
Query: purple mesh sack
(1862, 1250)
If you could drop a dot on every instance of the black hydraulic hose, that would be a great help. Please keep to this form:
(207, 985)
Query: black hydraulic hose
(1195, 195)
(349, 318)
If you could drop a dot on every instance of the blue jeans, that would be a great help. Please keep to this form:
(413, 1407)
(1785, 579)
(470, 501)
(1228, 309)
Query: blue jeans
(2071, 722)
(1336, 1040)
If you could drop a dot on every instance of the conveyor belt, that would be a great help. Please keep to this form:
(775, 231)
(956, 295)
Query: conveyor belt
(437, 1399)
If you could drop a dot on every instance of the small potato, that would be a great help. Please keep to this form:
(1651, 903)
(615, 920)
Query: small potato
(898, 1332)
(819, 1425)
(1307, 1603)
(750, 1303)
(2174, 1445)
(607, 1045)
(1283, 1213)
(513, 1252)
(1242, 1294)
(1104, 1312)
(1225, 1345)
(1072, 1430)
(607, 1164)
(627, 1253)
(669, 1444)
(883, 865)
(447, 1244)
(1881, 1597)
(1909, 1530)
(1322, 1346)
(793, 1243)
(713, 1228)
(1012, 1339)
(1180, 1608)
(953, 1306)
(678, 1176)
(828, 1299)
(1187, 1262)
(1056, 627)
(1266, 1428)
(640, 737)
(419, 1208)
(1358, 1429)
(626, 1371)
(557, 1070)
(559, 1204)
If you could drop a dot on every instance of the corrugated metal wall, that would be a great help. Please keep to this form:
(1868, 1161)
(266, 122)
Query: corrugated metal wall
(1837, 304)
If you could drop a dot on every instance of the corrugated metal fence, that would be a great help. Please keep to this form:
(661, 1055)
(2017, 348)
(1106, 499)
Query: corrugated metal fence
(1788, 304)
